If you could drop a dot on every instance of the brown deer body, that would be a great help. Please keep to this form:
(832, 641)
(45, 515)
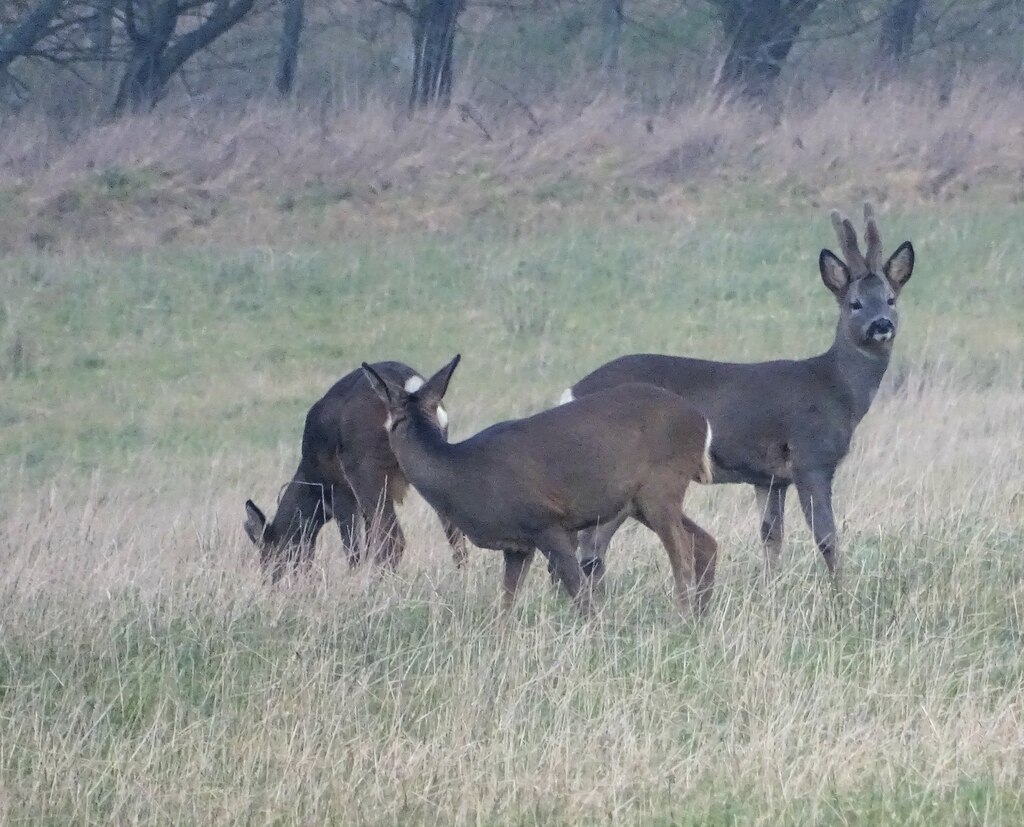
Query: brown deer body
(533, 483)
(785, 423)
(347, 473)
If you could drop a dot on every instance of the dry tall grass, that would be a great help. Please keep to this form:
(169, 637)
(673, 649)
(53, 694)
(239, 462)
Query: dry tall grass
(269, 174)
(147, 676)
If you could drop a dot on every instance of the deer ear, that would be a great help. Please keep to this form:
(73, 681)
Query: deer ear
(899, 266)
(255, 522)
(834, 273)
(437, 385)
(387, 392)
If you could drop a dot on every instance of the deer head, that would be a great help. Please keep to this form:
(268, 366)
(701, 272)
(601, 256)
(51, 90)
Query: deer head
(865, 288)
(302, 510)
(422, 405)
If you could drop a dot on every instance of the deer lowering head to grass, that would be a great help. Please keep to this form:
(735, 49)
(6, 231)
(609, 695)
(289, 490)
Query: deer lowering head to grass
(347, 473)
(787, 422)
(533, 483)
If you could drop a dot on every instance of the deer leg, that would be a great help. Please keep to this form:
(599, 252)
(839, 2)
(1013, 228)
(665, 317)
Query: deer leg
(558, 546)
(667, 522)
(574, 537)
(815, 490)
(383, 533)
(705, 555)
(386, 535)
(594, 544)
(517, 563)
(771, 504)
(349, 518)
(457, 540)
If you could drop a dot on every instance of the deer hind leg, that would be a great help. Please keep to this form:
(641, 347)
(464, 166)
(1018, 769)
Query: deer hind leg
(517, 564)
(349, 519)
(815, 490)
(665, 519)
(705, 555)
(457, 540)
(771, 506)
(383, 533)
(559, 547)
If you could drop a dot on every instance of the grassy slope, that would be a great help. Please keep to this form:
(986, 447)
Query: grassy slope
(146, 675)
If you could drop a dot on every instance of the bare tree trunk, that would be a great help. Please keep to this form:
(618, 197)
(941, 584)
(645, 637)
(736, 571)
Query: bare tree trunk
(26, 31)
(288, 56)
(760, 35)
(157, 55)
(611, 40)
(897, 37)
(101, 29)
(433, 43)
(142, 82)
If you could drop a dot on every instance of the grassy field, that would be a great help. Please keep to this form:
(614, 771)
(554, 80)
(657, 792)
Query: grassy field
(147, 675)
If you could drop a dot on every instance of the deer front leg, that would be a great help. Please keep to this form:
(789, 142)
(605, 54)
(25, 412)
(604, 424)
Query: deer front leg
(594, 544)
(815, 491)
(517, 563)
(771, 505)
(560, 549)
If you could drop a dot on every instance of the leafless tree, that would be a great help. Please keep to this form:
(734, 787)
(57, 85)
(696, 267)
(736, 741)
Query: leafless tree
(759, 36)
(897, 33)
(434, 24)
(612, 16)
(28, 26)
(158, 50)
(288, 52)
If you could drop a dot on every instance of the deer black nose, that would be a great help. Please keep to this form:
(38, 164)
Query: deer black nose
(881, 329)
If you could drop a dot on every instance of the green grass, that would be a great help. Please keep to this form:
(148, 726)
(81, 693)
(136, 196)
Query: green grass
(146, 675)
(173, 350)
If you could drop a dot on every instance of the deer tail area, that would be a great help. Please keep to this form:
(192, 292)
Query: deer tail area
(704, 475)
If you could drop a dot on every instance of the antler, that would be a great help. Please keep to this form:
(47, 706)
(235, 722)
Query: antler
(873, 238)
(848, 243)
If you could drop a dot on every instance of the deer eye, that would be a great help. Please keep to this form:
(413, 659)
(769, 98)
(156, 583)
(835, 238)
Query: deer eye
(892, 301)
(855, 305)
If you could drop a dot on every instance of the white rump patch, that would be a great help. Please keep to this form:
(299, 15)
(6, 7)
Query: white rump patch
(442, 417)
(413, 384)
(566, 396)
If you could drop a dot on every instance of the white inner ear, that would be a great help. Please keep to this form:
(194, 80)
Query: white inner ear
(442, 416)
(413, 384)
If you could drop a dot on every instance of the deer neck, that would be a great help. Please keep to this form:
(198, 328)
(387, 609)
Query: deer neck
(425, 457)
(303, 510)
(857, 371)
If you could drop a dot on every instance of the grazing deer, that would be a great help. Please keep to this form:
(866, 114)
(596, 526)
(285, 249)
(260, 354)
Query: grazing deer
(785, 422)
(533, 483)
(347, 473)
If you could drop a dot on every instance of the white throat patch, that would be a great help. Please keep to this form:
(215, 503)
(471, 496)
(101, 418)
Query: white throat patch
(442, 417)
(413, 384)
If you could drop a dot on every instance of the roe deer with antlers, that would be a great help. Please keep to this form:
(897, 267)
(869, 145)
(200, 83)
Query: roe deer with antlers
(347, 473)
(785, 422)
(532, 483)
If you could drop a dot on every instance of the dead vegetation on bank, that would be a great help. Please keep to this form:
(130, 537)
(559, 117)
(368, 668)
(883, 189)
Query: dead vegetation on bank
(283, 175)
